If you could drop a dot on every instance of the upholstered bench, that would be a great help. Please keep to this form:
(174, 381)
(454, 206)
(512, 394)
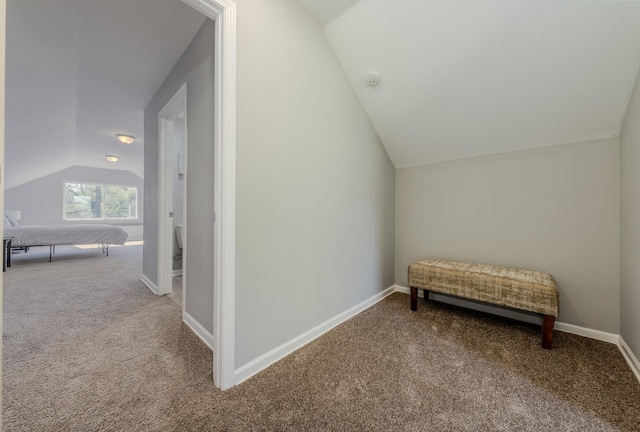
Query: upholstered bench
(527, 290)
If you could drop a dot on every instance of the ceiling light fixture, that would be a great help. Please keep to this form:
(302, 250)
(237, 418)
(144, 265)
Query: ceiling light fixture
(112, 158)
(125, 139)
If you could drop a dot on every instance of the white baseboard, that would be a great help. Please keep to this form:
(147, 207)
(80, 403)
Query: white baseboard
(520, 316)
(631, 359)
(177, 272)
(587, 332)
(198, 329)
(254, 366)
(194, 325)
(145, 280)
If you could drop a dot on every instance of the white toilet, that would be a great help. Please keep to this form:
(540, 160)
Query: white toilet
(180, 235)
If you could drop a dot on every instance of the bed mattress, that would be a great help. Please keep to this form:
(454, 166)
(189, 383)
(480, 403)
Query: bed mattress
(46, 235)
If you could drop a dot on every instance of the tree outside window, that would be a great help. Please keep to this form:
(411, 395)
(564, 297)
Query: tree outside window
(98, 201)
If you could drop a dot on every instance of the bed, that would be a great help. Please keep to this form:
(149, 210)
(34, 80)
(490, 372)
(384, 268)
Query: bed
(25, 236)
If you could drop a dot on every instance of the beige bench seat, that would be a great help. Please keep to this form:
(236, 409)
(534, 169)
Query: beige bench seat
(527, 290)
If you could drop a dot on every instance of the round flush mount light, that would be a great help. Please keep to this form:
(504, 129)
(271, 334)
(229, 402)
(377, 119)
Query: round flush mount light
(112, 158)
(125, 139)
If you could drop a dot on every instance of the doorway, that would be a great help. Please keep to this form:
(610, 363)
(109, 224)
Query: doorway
(172, 227)
(223, 12)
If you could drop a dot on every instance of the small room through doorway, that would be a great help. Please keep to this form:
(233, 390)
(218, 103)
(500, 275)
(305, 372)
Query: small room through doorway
(172, 243)
(178, 185)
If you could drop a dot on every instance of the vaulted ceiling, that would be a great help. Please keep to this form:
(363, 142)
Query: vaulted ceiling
(469, 78)
(80, 71)
(457, 78)
(325, 11)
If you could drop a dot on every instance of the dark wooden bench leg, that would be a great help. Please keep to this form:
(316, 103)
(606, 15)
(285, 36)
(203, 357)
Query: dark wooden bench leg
(425, 293)
(414, 298)
(547, 331)
(9, 253)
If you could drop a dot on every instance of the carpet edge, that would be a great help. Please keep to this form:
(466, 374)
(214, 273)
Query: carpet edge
(145, 280)
(198, 329)
(514, 314)
(262, 362)
(630, 357)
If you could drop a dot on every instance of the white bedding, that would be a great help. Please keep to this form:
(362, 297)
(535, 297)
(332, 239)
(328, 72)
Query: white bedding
(48, 235)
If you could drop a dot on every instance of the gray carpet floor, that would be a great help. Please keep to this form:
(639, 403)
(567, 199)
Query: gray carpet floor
(87, 347)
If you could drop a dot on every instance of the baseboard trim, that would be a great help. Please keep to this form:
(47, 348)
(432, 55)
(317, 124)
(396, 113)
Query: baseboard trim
(264, 361)
(198, 329)
(154, 289)
(628, 355)
(532, 319)
(587, 332)
(175, 273)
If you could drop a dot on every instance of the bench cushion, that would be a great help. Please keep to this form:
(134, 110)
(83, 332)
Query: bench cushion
(528, 290)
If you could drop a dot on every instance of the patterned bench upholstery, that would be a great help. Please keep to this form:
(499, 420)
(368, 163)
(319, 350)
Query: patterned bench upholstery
(528, 290)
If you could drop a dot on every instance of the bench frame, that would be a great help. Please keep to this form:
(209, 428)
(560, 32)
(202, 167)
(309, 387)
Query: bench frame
(547, 323)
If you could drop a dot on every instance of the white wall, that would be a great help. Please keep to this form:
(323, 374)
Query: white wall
(554, 209)
(41, 200)
(630, 225)
(178, 186)
(195, 67)
(315, 187)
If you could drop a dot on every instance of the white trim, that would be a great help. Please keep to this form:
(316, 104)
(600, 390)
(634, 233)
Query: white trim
(177, 272)
(185, 213)
(254, 366)
(587, 332)
(520, 316)
(198, 329)
(176, 105)
(145, 280)
(223, 12)
(628, 355)
(631, 359)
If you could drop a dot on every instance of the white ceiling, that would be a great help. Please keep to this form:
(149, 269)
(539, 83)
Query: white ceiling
(80, 71)
(458, 78)
(325, 11)
(468, 78)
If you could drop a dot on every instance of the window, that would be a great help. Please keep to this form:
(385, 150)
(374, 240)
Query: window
(98, 201)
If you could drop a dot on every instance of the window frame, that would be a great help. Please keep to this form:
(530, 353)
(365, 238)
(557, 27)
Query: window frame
(104, 195)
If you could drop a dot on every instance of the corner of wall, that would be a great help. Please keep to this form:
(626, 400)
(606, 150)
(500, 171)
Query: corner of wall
(629, 225)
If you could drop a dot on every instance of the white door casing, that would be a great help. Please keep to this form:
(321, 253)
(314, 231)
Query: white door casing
(177, 105)
(223, 12)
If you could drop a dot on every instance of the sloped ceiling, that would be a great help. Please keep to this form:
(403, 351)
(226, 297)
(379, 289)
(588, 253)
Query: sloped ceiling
(80, 71)
(469, 78)
(325, 11)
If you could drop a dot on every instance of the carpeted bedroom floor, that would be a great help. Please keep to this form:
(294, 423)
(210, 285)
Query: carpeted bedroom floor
(88, 347)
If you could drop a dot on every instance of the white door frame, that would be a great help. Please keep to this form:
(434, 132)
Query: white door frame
(223, 12)
(176, 106)
(3, 33)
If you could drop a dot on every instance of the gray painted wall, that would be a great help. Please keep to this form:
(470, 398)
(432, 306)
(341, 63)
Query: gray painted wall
(41, 200)
(315, 188)
(554, 209)
(630, 225)
(195, 67)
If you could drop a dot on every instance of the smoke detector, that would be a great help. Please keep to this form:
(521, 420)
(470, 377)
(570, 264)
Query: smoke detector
(373, 79)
